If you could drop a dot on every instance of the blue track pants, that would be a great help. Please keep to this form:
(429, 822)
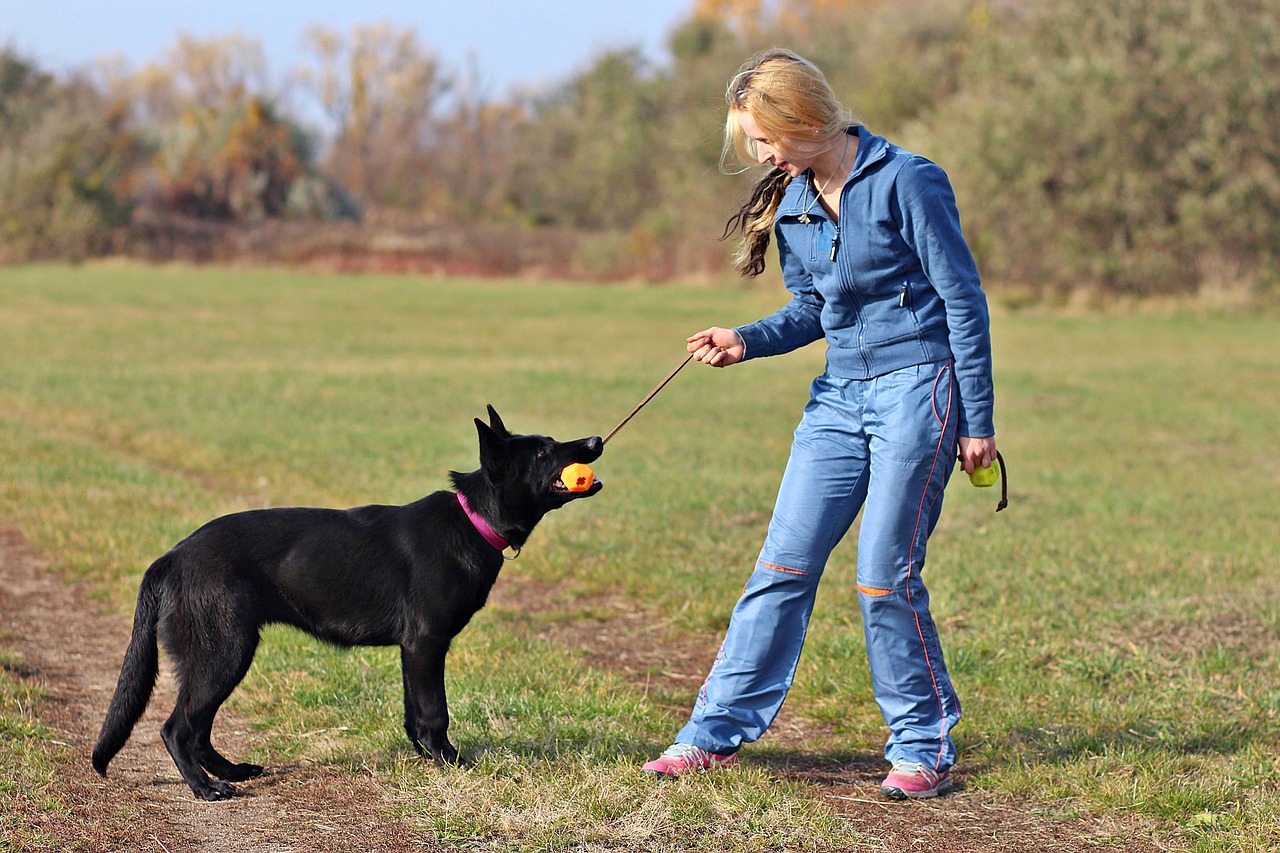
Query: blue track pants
(886, 447)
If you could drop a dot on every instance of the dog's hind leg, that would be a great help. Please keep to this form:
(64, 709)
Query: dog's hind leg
(182, 737)
(426, 710)
(221, 766)
(206, 678)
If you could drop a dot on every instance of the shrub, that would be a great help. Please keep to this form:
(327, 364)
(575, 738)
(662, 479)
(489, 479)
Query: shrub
(1128, 145)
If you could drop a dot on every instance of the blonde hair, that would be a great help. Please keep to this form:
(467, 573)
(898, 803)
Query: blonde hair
(790, 99)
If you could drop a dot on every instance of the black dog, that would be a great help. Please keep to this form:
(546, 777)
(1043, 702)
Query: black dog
(410, 576)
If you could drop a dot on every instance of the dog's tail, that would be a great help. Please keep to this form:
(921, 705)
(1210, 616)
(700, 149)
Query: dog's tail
(137, 673)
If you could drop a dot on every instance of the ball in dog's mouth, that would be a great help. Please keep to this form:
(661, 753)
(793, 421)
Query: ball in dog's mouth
(577, 477)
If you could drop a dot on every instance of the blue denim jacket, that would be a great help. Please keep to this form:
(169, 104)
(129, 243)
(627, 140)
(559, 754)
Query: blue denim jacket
(903, 288)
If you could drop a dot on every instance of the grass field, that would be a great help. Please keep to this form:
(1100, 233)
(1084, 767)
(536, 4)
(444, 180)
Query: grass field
(1114, 635)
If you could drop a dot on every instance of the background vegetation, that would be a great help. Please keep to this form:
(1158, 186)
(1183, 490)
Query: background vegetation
(1113, 633)
(1121, 148)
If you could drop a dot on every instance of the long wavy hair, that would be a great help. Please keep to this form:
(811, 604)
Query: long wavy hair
(791, 100)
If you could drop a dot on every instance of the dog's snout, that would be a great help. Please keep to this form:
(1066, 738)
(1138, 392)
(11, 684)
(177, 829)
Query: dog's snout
(594, 446)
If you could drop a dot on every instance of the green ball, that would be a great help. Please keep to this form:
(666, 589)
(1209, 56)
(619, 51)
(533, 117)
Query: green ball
(985, 477)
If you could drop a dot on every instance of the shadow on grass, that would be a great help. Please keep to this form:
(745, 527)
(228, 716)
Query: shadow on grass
(818, 763)
(821, 767)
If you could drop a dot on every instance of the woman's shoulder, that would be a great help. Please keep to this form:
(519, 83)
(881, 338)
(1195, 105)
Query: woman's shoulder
(915, 174)
(900, 161)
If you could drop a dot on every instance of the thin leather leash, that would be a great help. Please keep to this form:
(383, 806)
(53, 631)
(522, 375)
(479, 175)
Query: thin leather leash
(1004, 483)
(496, 539)
(652, 394)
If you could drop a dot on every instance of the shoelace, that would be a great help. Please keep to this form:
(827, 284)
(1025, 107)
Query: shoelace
(910, 768)
(688, 753)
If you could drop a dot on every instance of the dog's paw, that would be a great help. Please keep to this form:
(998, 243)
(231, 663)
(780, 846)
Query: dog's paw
(215, 791)
(243, 773)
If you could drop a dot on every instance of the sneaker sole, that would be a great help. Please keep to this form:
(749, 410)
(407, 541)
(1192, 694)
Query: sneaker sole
(902, 794)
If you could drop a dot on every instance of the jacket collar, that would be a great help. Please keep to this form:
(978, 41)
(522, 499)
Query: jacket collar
(799, 194)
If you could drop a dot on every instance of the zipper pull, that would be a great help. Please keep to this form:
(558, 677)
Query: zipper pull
(902, 297)
(835, 243)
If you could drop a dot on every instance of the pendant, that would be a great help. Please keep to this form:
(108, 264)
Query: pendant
(804, 219)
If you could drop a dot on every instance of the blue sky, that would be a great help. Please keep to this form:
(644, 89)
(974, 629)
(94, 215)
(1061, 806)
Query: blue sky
(509, 41)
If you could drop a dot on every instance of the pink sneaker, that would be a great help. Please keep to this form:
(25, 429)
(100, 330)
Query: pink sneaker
(682, 758)
(911, 780)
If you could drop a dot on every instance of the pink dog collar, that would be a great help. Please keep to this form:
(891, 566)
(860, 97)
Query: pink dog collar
(490, 535)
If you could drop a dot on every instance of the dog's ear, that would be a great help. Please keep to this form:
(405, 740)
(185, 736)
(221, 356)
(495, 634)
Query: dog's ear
(492, 445)
(496, 423)
(495, 456)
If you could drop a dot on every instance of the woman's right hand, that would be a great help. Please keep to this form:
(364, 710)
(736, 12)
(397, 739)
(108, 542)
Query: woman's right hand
(717, 347)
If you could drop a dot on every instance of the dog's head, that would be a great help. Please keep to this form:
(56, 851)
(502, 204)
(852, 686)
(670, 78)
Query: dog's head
(525, 469)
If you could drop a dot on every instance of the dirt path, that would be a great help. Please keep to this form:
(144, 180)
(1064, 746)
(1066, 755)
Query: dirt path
(73, 651)
(966, 821)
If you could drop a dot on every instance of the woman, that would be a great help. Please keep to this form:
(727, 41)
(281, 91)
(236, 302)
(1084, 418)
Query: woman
(871, 251)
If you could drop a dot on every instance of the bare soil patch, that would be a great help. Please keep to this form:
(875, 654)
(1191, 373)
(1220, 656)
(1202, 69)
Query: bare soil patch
(651, 656)
(73, 650)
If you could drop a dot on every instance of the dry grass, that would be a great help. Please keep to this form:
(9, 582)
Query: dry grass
(1113, 634)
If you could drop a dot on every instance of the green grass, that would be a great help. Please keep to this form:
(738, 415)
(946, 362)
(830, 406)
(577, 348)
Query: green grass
(29, 755)
(1115, 634)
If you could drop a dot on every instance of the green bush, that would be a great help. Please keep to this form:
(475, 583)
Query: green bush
(67, 160)
(1129, 146)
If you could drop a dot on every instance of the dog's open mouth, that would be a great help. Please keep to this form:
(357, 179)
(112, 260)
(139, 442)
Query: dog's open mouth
(583, 487)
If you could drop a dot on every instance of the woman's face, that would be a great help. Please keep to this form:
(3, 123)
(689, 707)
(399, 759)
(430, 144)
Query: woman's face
(787, 155)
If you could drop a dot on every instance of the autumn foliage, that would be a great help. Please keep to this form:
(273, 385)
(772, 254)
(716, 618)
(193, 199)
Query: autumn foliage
(1116, 148)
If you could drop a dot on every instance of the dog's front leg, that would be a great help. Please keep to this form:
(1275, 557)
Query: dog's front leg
(426, 711)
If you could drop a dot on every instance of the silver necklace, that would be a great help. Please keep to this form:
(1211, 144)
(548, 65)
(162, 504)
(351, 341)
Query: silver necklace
(819, 190)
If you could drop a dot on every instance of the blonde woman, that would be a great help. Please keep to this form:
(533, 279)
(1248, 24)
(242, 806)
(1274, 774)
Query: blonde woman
(871, 251)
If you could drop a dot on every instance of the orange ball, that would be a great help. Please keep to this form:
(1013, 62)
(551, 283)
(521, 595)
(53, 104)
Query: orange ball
(577, 477)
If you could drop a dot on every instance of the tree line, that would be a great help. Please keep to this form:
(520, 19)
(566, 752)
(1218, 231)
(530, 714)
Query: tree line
(1127, 147)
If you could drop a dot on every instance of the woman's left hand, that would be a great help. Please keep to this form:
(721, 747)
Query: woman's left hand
(977, 452)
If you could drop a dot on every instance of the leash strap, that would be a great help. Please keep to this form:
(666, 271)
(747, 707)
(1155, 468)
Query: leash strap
(1004, 483)
(652, 394)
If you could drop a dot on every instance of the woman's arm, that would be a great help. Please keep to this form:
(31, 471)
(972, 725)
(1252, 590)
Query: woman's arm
(794, 325)
(931, 226)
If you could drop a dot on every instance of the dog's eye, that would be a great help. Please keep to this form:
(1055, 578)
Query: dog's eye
(543, 451)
